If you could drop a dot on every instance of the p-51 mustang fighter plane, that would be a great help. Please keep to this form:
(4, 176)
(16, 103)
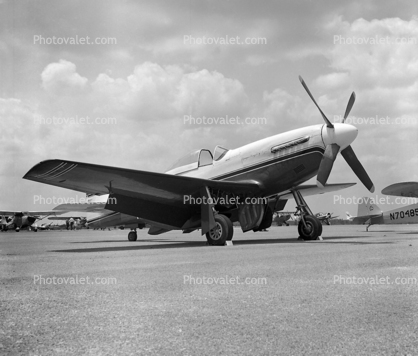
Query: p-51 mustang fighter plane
(209, 192)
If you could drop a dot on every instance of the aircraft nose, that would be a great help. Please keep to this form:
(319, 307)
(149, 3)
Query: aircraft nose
(342, 134)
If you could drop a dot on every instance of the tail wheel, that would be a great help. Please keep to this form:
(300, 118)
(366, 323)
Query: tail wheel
(312, 230)
(222, 232)
(132, 236)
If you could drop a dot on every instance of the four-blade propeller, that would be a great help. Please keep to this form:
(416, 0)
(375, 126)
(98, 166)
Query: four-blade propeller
(337, 138)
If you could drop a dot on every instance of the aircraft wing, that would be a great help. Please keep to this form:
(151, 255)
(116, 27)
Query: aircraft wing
(313, 189)
(148, 195)
(81, 207)
(404, 189)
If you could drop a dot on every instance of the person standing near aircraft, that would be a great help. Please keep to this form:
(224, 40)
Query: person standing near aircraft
(70, 224)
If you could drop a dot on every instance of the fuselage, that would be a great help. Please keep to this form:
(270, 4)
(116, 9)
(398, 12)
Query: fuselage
(405, 215)
(279, 162)
(19, 222)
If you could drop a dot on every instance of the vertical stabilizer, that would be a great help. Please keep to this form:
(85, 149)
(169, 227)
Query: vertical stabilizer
(366, 207)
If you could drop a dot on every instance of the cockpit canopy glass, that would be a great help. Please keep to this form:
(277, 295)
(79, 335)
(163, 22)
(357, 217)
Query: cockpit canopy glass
(219, 153)
(195, 159)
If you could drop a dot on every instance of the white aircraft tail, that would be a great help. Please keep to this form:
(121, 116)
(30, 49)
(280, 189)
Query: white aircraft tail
(367, 208)
(91, 199)
(349, 217)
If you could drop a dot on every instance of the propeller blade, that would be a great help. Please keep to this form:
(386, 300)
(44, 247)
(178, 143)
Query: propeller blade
(349, 105)
(329, 124)
(357, 168)
(326, 164)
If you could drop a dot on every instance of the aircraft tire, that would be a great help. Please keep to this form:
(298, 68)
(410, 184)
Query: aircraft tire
(132, 236)
(314, 228)
(222, 232)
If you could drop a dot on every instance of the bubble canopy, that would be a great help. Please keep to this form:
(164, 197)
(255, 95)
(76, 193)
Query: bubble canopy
(196, 159)
(199, 158)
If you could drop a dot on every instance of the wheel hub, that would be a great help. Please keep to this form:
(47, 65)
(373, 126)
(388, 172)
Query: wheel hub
(216, 232)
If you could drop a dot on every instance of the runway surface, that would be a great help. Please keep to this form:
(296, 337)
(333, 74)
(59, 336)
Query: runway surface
(355, 293)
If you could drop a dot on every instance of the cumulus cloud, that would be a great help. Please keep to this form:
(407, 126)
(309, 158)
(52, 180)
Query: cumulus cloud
(62, 77)
(162, 92)
(377, 52)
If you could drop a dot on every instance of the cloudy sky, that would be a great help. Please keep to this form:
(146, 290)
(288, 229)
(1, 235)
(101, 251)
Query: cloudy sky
(150, 64)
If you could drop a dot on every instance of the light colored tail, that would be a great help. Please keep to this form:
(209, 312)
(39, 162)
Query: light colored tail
(367, 207)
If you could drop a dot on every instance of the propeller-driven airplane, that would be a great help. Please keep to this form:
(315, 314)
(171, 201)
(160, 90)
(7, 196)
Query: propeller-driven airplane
(18, 220)
(370, 214)
(209, 192)
(103, 218)
(71, 222)
(283, 217)
(325, 217)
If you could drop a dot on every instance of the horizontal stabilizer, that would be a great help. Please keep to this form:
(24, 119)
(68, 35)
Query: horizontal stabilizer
(404, 189)
(313, 189)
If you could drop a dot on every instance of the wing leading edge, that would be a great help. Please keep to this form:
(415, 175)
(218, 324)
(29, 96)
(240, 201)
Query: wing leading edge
(148, 195)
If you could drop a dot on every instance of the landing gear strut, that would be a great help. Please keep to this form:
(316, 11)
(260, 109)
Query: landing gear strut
(309, 228)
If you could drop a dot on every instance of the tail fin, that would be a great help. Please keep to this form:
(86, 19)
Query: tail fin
(366, 207)
(349, 217)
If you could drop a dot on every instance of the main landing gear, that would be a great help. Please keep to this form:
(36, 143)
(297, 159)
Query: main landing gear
(309, 228)
(132, 236)
(222, 232)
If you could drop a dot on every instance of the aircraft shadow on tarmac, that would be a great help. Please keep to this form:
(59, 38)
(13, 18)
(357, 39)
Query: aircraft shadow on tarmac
(121, 241)
(188, 244)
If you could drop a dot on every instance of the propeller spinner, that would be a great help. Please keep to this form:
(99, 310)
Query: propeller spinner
(337, 138)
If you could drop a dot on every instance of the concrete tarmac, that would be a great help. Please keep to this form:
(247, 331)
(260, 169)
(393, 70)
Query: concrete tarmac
(95, 293)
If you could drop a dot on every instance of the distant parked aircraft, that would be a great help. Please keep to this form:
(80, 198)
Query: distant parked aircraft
(17, 220)
(370, 214)
(325, 217)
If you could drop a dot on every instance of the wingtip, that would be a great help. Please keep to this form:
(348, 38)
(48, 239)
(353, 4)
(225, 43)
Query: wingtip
(372, 189)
